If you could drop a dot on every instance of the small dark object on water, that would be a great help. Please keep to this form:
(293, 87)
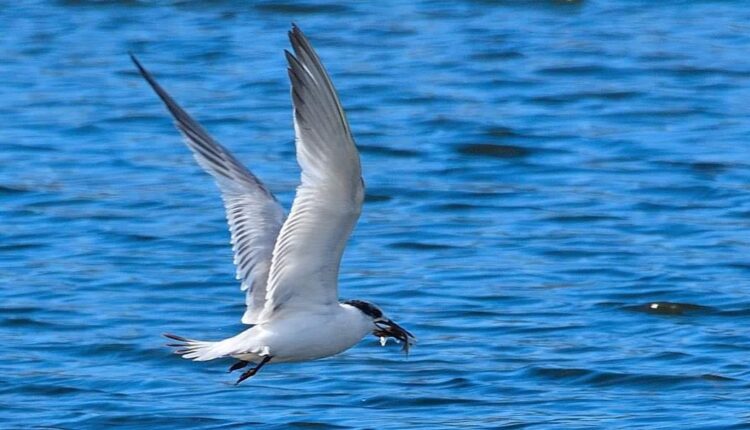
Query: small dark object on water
(671, 308)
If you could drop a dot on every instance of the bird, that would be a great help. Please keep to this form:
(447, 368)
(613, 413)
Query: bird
(288, 265)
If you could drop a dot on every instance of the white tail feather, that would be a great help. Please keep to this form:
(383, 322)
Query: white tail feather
(198, 350)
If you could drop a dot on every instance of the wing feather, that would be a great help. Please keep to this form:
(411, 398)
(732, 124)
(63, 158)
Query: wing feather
(307, 254)
(253, 213)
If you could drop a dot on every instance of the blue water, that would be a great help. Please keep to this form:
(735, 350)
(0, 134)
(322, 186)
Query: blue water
(538, 173)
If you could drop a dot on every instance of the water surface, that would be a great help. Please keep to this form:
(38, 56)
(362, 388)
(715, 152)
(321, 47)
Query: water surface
(538, 174)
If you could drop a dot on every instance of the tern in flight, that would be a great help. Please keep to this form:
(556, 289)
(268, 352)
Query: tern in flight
(289, 265)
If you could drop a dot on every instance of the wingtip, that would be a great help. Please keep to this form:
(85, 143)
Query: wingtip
(175, 337)
(138, 64)
(296, 36)
(134, 59)
(154, 85)
(289, 57)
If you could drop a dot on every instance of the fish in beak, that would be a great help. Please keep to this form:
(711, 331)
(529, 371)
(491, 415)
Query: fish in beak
(387, 328)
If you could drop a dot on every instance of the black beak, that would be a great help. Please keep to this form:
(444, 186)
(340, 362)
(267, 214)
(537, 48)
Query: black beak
(388, 328)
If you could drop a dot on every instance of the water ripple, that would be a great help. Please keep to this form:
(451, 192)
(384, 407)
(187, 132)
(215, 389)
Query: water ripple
(557, 206)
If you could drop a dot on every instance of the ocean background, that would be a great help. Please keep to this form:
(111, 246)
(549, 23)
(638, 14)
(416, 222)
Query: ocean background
(538, 174)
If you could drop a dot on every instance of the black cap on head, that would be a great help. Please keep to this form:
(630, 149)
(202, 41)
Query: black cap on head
(366, 308)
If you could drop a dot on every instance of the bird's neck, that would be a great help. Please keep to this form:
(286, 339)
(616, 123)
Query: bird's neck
(355, 320)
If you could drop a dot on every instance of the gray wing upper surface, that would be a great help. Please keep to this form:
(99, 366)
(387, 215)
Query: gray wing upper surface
(254, 215)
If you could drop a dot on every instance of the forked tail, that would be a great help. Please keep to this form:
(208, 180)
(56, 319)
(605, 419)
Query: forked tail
(196, 350)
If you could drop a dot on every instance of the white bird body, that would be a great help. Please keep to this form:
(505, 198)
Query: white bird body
(307, 334)
(289, 265)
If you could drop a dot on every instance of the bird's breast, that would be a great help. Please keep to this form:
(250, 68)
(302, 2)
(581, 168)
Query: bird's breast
(312, 336)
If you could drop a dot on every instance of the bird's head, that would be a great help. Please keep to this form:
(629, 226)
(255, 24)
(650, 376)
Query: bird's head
(384, 327)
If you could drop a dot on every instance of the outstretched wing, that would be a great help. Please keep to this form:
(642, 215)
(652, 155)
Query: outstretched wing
(306, 258)
(254, 215)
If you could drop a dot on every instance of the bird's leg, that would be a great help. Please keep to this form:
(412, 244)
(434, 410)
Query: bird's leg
(238, 365)
(254, 370)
